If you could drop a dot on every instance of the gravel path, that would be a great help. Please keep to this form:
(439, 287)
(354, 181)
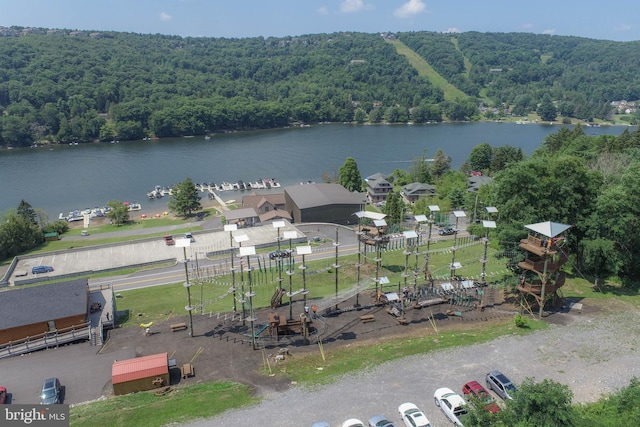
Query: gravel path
(592, 355)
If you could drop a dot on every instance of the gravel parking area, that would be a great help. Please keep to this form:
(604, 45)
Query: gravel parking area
(592, 354)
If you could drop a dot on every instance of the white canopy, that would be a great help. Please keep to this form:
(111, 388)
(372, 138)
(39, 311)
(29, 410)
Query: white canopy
(549, 229)
(370, 215)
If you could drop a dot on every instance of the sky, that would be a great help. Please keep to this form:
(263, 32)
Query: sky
(279, 18)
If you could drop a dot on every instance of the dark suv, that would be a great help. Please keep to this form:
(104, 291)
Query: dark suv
(500, 384)
(50, 392)
(279, 254)
(447, 231)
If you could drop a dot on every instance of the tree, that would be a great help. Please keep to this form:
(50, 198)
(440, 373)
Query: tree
(185, 199)
(18, 234)
(27, 212)
(350, 177)
(441, 163)
(546, 110)
(480, 157)
(544, 404)
(419, 171)
(394, 208)
(376, 115)
(119, 213)
(360, 116)
(502, 156)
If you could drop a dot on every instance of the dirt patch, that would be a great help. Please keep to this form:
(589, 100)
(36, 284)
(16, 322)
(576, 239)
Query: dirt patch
(221, 349)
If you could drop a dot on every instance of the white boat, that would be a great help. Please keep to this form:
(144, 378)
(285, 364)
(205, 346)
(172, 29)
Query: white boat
(133, 206)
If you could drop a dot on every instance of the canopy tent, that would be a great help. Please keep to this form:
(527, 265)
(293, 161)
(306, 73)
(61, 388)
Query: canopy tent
(370, 215)
(548, 229)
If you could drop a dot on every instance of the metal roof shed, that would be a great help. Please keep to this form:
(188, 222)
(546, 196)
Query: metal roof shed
(139, 374)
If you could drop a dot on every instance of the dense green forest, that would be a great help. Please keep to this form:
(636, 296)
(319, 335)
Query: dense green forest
(61, 86)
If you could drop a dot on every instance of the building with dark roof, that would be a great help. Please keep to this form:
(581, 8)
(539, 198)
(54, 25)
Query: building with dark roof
(32, 311)
(243, 217)
(411, 193)
(475, 182)
(323, 203)
(378, 188)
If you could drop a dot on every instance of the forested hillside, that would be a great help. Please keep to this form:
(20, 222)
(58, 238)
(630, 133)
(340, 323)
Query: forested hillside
(61, 86)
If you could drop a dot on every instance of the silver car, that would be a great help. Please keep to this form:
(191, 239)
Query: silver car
(500, 384)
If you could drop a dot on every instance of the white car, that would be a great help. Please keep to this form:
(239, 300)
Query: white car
(451, 403)
(353, 422)
(412, 416)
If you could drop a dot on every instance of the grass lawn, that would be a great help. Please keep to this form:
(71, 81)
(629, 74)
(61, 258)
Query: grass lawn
(161, 303)
(145, 409)
(138, 225)
(306, 370)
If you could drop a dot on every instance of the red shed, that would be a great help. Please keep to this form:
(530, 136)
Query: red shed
(139, 374)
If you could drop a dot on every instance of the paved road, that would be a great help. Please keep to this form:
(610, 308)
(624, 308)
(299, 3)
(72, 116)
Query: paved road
(83, 372)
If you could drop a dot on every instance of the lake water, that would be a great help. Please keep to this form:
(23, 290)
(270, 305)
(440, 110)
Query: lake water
(64, 178)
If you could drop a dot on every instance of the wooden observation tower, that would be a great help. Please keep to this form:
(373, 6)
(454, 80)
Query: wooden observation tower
(544, 258)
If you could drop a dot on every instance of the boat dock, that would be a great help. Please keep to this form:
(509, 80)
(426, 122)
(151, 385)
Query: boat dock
(160, 191)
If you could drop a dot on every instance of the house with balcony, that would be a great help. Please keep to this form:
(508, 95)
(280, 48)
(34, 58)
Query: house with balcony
(378, 188)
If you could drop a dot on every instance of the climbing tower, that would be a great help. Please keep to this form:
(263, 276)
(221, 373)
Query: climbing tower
(541, 276)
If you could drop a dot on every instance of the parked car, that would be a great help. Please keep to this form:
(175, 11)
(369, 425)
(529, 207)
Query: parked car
(500, 384)
(380, 421)
(279, 254)
(321, 424)
(50, 392)
(474, 390)
(447, 231)
(353, 422)
(41, 269)
(189, 237)
(3, 395)
(451, 403)
(168, 240)
(412, 416)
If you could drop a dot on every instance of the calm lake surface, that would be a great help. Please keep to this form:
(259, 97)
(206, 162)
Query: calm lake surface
(64, 178)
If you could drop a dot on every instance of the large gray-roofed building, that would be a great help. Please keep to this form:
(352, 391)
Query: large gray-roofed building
(40, 309)
(323, 203)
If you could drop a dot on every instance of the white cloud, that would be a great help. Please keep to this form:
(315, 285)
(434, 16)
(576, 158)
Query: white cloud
(322, 11)
(349, 6)
(164, 16)
(410, 8)
(550, 31)
(452, 30)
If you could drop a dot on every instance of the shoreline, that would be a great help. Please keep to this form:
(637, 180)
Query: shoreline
(511, 120)
(150, 213)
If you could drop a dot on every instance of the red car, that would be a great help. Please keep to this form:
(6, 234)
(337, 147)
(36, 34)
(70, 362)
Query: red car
(475, 389)
(3, 394)
(169, 240)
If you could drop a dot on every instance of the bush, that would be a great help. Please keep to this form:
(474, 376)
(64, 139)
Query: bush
(521, 321)
(59, 227)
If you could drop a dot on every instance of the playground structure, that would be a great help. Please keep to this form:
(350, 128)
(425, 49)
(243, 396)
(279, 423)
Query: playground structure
(279, 325)
(373, 235)
(461, 295)
(544, 258)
